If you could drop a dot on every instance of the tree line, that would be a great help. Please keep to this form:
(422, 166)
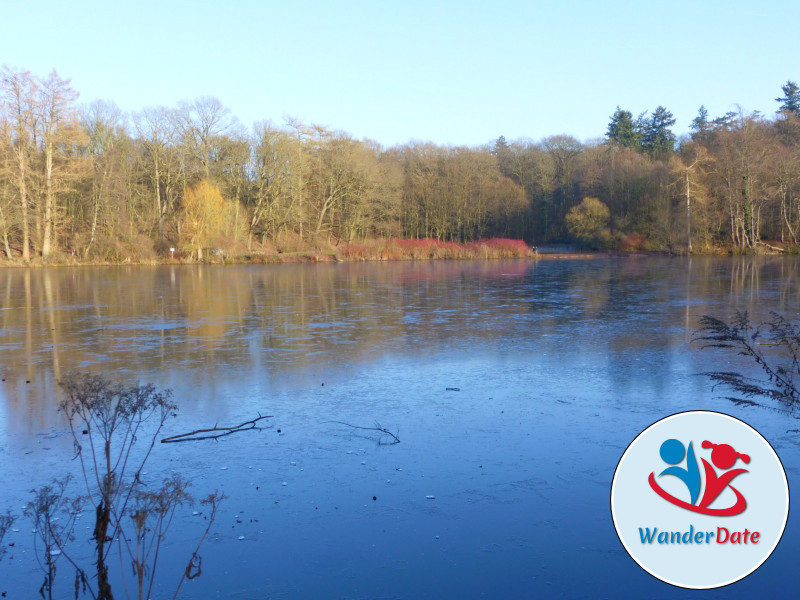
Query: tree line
(92, 181)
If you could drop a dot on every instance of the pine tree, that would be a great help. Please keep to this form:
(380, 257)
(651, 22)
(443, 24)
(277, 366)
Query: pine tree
(658, 138)
(503, 153)
(623, 130)
(700, 123)
(790, 101)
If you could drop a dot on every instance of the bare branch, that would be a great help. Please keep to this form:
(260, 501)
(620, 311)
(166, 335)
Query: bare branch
(773, 345)
(376, 428)
(197, 433)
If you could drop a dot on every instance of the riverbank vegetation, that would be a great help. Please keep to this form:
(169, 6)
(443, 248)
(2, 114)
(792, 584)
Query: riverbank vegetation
(114, 429)
(773, 345)
(88, 183)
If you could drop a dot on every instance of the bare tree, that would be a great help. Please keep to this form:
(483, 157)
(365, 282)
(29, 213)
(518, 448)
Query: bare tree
(202, 122)
(104, 124)
(57, 117)
(157, 131)
(18, 90)
(8, 204)
(689, 166)
(270, 201)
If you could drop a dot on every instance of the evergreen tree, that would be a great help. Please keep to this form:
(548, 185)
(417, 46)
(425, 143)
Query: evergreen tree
(700, 123)
(623, 130)
(658, 138)
(727, 120)
(503, 153)
(500, 145)
(790, 101)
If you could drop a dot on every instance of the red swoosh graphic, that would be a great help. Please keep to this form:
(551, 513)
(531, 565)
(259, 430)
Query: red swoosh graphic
(737, 508)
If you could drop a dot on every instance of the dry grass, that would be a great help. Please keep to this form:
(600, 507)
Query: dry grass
(432, 249)
(289, 248)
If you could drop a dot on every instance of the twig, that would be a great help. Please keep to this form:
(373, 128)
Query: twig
(195, 566)
(376, 428)
(196, 434)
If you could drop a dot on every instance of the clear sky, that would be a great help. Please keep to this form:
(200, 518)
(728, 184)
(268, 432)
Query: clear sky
(452, 72)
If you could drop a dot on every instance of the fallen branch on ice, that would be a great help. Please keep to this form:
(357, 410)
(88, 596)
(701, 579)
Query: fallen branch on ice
(376, 428)
(214, 432)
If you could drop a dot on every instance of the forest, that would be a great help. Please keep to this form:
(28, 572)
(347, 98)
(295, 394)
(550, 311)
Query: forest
(87, 182)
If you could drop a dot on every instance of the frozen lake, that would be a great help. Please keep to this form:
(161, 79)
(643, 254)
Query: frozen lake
(554, 367)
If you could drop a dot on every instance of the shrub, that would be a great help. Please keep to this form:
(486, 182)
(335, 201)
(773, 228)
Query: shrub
(588, 223)
(6, 521)
(354, 252)
(501, 248)
(774, 346)
(632, 243)
(106, 421)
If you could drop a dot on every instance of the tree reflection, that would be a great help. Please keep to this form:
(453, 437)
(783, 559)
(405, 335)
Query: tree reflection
(204, 323)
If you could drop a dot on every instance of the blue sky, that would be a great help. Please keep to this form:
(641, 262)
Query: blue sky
(452, 72)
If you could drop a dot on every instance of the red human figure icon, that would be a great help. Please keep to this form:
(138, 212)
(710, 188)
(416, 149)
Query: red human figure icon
(724, 457)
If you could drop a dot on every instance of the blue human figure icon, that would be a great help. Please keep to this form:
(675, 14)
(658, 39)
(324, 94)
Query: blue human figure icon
(672, 453)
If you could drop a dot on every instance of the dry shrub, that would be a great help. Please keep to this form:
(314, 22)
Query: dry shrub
(427, 248)
(430, 248)
(289, 241)
(633, 243)
(499, 248)
(354, 252)
(135, 248)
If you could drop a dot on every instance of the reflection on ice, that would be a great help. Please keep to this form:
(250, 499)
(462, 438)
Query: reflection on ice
(498, 490)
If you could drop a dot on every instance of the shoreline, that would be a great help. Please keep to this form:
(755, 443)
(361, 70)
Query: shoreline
(309, 258)
(459, 253)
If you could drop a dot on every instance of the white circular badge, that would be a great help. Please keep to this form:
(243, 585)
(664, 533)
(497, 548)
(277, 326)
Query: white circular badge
(699, 499)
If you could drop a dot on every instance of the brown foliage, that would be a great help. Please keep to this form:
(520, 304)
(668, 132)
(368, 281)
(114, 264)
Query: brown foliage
(190, 177)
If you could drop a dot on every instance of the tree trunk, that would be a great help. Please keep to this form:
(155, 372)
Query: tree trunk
(159, 210)
(785, 215)
(48, 201)
(747, 210)
(6, 247)
(688, 216)
(94, 220)
(23, 197)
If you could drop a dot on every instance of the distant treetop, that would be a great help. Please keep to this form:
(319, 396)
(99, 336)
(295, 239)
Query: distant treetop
(790, 101)
(647, 134)
(623, 130)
